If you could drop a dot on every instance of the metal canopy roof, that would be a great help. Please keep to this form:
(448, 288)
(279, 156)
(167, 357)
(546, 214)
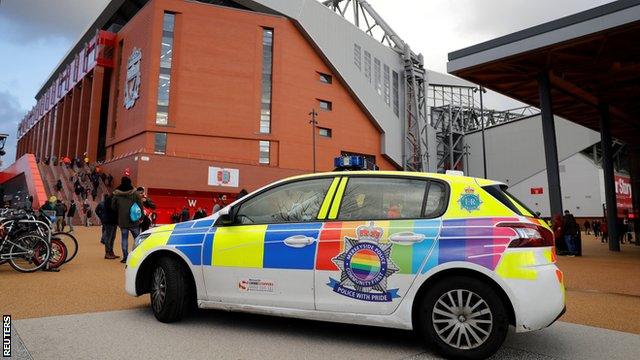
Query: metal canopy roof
(592, 57)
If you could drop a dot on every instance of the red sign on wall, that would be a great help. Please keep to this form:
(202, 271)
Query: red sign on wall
(624, 201)
(537, 191)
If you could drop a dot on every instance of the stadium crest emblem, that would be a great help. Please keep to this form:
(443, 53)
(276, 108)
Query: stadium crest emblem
(365, 266)
(469, 200)
(132, 86)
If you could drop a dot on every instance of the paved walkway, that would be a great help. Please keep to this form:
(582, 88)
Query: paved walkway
(135, 334)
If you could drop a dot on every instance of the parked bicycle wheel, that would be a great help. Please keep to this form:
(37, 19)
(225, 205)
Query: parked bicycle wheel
(70, 242)
(58, 254)
(29, 253)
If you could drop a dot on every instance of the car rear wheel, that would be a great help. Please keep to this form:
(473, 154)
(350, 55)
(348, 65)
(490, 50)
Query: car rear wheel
(169, 290)
(463, 318)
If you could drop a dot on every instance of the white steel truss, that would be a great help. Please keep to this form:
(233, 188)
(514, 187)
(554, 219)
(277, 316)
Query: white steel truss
(362, 15)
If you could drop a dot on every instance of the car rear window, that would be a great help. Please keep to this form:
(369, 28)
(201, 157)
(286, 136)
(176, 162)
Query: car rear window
(500, 193)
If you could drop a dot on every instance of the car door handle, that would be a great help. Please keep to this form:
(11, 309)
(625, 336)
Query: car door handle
(298, 241)
(406, 238)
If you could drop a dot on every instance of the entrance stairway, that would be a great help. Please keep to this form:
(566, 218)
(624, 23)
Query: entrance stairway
(50, 175)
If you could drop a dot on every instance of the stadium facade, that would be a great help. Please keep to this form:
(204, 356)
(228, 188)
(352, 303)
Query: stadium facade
(200, 98)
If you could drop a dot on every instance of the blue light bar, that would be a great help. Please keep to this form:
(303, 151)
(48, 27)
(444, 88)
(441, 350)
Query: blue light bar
(353, 162)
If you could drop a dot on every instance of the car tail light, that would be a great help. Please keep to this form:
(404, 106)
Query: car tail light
(529, 235)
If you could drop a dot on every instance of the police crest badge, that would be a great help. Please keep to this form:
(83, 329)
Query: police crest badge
(365, 265)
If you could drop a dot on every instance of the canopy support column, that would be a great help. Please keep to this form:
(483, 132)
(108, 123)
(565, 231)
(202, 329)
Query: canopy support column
(609, 180)
(550, 144)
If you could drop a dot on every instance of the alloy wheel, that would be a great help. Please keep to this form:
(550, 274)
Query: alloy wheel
(462, 319)
(158, 289)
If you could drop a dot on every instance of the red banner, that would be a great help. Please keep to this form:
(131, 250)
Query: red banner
(624, 201)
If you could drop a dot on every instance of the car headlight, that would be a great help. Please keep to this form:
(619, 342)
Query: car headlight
(140, 239)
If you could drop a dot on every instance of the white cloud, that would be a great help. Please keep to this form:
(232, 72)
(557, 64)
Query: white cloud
(24, 21)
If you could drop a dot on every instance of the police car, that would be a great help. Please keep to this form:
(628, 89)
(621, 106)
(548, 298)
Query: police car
(455, 258)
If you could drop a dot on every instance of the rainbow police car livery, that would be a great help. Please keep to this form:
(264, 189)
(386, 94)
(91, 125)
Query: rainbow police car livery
(457, 259)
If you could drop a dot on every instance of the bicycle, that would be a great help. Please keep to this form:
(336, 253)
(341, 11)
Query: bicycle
(22, 223)
(28, 253)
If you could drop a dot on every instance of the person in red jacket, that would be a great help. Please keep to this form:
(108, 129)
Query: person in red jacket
(604, 231)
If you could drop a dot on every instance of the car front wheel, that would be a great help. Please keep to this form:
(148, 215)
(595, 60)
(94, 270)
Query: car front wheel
(169, 290)
(463, 318)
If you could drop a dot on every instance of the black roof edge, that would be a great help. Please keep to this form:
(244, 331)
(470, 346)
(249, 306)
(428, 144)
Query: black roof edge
(569, 20)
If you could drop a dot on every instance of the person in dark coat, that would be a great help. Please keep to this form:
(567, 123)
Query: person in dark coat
(199, 214)
(59, 185)
(124, 197)
(71, 212)
(61, 211)
(108, 218)
(184, 215)
(570, 230)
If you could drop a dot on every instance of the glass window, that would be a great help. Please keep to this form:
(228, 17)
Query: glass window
(382, 198)
(164, 79)
(396, 94)
(294, 202)
(324, 132)
(387, 86)
(264, 152)
(325, 105)
(377, 75)
(163, 89)
(161, 143)
(267, 69)
(357, 56)
(367, 66)
(325, 79)
(436, 200)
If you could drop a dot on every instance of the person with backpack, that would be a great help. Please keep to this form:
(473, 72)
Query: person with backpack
(148, 207)
(127, 204)
(71, 212)
(108, 218)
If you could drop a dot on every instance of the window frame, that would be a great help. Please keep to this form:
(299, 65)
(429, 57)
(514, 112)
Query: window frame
(260, 143)
(329, 132)
(329, 103)
(326, 79)
(428, 180)
(155, 143)
(279, 184)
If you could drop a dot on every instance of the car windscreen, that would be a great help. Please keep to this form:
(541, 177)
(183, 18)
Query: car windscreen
(500, 193)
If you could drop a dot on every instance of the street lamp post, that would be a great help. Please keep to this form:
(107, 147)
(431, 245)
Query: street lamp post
(313, 123)
(482, 90)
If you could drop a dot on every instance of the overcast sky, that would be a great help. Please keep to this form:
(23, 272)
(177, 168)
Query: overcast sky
(36, 34)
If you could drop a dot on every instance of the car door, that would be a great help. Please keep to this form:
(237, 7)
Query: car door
(380, 233)
(266, 257)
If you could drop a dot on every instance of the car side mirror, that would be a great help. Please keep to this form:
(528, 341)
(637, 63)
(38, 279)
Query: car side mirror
(227, 215)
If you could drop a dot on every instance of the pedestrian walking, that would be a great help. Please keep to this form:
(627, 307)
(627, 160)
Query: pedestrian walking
(59, 185)
(605, 232)
(587, 227)
(71, 212)
(86, 209)
(596, 228)
(108, 218)
(127, 204)
(61, 210)
(570, 231)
